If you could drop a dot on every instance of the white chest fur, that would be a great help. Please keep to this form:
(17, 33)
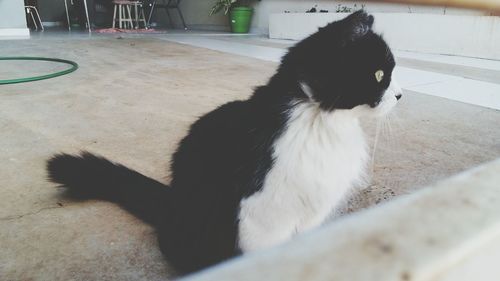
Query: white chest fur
(318, 159)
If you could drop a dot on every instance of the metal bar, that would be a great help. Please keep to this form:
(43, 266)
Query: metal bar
(38, 16)
(151, 12)
(87, 14)
(33, 18)
(67, 14)
(180, 14)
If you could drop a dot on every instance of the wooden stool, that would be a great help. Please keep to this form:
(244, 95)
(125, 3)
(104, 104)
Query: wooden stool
(139, 14)
(124, 9)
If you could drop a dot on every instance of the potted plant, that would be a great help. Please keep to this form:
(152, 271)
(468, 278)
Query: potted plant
(240, 14)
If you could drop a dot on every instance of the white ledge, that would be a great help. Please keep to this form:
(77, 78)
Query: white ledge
(462, 35)
(449, 231)
(14, 33)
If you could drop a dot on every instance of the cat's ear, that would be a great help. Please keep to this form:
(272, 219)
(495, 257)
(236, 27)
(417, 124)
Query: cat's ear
(358, 24)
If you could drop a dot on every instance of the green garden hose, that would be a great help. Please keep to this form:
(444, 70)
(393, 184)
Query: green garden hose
(74, 66)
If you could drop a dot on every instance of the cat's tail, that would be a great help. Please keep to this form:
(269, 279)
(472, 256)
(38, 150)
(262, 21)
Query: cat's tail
(87, 176)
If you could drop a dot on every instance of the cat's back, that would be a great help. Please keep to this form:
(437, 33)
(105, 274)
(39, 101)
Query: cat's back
(215, 144)
(231, 115)
(219, 129)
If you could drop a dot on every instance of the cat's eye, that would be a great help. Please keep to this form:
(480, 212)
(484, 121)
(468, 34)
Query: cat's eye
(379, 75)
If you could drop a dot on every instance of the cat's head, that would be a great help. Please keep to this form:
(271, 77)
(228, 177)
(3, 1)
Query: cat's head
(345, 65)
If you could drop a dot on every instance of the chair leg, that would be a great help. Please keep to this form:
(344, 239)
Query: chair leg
(39, 19)
(182, 18)
(176, 6)
(170, 21)
(67, 14)
(151, 12)
(33, 18)
(114, 16)
(87, 15)
(143, 18)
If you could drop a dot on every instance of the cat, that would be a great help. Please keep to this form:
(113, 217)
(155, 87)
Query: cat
(252, 174)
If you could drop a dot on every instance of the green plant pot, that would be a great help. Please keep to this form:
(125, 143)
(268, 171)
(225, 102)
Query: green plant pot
(240, 19)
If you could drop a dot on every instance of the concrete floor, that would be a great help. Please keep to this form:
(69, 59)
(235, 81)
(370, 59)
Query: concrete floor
(132, 100)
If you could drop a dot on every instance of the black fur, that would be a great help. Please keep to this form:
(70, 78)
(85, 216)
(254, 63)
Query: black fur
(88, 176)
(339, 63)
(227, 153)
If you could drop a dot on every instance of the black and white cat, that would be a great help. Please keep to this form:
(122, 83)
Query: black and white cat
(252, 174)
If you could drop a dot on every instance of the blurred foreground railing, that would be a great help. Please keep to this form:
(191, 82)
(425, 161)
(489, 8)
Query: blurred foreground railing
(448, 231)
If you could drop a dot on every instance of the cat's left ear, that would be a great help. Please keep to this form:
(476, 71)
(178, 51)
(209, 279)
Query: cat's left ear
(358, 24)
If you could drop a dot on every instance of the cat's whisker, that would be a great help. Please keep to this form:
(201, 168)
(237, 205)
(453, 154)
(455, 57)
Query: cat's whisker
(375, 142)
(397, 121)
(384, 128)
(389, 125)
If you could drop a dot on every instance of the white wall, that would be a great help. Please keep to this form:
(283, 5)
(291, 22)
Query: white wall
(463, 35)
(12, 18)
(12, 14)
(265, 8)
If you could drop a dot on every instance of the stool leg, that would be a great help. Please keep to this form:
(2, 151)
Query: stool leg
(182, 18)
(124, 16)
(130, 17)
(114, 16)
(143, 18)
(120, 17)
(136, 14)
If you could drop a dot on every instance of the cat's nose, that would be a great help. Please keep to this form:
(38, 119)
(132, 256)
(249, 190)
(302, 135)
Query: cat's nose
(395, 89)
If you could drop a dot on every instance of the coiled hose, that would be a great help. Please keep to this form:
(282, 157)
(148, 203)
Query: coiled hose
(74, 66)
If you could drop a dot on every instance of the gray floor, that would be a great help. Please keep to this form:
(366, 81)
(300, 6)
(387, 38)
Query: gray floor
(131, 100)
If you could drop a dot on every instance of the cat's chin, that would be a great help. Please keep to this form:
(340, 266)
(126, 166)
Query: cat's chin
(382, 109)
(386, 104)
